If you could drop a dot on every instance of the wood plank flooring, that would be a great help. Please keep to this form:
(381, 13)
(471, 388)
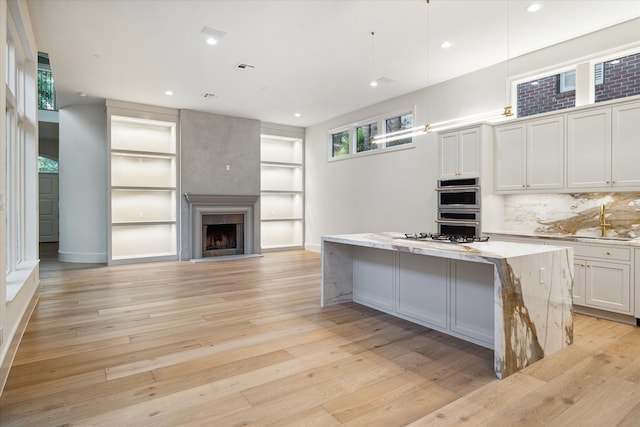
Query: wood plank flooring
(246, 343)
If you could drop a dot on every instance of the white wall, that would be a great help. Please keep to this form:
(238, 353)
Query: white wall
(83, 184)
(395, 191)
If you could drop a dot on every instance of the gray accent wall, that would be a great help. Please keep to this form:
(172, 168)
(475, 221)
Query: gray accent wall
(211, 144)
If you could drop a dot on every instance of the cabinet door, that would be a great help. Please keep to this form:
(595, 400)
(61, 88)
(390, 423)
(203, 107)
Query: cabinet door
(625, 145)
(608, 286)
(373, 278)
(579, 280)
(423, 288)
(448, 155)
(472, 300)
(510, 157)
(469, 153)
(589, 149)
(545, 154)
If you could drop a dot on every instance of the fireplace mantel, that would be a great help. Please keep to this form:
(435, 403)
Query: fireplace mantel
(220, 199)
(200, 204)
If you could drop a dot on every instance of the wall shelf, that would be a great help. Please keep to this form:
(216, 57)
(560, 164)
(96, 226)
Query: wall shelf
(143, 201)
(282, 192)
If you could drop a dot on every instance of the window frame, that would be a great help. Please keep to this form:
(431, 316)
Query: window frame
(380, 121)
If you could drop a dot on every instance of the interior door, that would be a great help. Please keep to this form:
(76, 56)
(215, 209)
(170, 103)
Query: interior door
(48, 190)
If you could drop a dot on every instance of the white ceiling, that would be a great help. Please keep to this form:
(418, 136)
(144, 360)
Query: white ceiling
(313, 57)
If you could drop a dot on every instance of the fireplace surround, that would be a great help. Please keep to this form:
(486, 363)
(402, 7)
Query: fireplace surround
(235, 217)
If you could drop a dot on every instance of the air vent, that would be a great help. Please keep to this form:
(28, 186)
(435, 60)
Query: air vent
(385, 80)
(245, 67)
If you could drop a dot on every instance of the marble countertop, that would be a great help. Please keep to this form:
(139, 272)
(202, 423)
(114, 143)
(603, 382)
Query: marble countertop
(491, 250)
(618, 241)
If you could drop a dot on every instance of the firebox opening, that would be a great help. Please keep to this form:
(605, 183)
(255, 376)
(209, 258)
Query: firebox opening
(220, 236)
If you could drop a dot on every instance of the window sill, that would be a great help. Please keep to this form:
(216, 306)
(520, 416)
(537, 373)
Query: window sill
(16, 279)
(373, 152)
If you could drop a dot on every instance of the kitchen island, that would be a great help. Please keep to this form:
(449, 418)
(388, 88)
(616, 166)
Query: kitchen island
(513, 298)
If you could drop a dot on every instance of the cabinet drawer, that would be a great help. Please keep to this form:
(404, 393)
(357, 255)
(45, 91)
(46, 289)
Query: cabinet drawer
(621, 254)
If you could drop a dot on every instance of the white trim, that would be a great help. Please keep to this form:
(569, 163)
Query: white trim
(83, 257)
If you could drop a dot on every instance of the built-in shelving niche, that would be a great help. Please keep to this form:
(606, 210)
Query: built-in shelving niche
(143, 187)
(282, 193)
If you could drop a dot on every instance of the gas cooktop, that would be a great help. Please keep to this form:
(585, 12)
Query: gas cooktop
(451, 238)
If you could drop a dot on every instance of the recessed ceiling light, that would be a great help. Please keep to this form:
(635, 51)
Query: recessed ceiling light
(168, 93)
(373, 83)
(296, 114)
(445, 45)
(213, 36)
(534, 7)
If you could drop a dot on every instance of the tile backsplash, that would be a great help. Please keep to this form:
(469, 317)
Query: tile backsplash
(573, 213)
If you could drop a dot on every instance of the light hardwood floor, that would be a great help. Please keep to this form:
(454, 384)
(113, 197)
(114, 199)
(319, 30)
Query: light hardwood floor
(246, 343)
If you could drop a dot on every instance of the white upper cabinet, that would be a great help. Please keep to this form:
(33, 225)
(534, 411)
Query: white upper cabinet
(589, 149)
(625, 145)
(529, 155)
(460, 153)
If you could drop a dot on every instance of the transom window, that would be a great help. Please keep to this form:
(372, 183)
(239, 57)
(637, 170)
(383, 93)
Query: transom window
(360, 137)
(612, 78)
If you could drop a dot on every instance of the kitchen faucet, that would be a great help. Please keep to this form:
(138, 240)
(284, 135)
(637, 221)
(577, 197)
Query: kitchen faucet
(603, 222)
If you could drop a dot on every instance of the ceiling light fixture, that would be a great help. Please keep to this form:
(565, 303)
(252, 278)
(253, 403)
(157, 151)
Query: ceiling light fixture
(533, 7)
(373, 82)
(445, 45)
(168, 93)
(296, 114)
(213, 36)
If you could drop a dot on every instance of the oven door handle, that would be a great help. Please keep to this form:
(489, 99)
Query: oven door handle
(456, 222)
(457, 189)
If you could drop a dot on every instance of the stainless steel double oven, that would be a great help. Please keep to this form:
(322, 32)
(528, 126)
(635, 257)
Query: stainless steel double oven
(459, 207)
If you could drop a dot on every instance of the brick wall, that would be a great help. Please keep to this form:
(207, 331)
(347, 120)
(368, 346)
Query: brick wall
(620, 80)
(543, 97)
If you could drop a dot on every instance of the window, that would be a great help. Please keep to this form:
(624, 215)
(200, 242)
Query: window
(47, 165)
(340, 143)
(358, 138)
(46, 91)
(394, 124)
(364, 137)
(619, 78)
(550, 93)
(612, 79)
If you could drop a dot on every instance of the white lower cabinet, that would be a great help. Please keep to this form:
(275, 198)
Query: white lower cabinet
(423, 285)
(472, 299)
(607, 286)
(374, 278)
(455, 297)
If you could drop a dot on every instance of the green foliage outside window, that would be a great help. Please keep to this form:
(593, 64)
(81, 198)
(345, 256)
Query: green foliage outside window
(340, 143)
(46, 165)
(364, 135)
(46, 91)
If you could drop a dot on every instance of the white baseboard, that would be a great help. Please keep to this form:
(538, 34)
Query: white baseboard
(313, 247)
(83, 257)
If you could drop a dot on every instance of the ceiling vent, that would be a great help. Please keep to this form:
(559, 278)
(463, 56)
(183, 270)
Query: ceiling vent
(385, 80)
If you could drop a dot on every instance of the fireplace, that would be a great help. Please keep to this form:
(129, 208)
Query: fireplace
(222, 234)
(222, 226)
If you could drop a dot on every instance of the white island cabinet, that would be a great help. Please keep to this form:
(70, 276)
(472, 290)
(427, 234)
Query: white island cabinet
(510, 297)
